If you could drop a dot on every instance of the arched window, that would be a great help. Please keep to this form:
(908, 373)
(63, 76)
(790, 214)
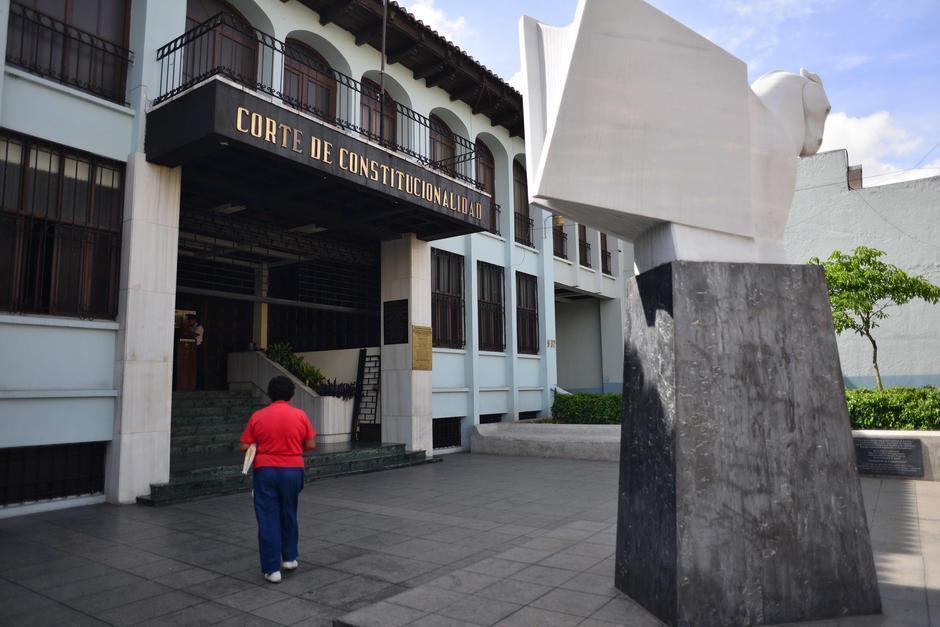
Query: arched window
(377, 122)
(309, 82)
(443, 144)
(230, 49)
(520, 203)
(486, 168)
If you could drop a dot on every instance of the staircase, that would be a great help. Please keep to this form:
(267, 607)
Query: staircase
(204, 457)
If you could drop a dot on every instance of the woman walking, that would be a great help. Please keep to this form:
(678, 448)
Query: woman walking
(280, 433)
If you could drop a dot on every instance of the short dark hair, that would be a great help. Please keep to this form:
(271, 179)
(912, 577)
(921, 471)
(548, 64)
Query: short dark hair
(280, 389)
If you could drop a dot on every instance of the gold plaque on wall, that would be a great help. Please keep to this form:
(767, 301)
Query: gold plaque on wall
(420, 347)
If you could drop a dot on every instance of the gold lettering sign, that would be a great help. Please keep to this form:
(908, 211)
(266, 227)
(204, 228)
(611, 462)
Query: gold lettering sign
(267, 129)
(421, 352)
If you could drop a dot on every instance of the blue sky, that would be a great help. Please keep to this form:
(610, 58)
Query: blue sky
(879, 60)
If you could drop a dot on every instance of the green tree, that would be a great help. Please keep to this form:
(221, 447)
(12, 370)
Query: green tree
(862, 288)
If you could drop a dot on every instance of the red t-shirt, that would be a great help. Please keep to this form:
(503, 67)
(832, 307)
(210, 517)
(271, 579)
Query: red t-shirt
(279, 430)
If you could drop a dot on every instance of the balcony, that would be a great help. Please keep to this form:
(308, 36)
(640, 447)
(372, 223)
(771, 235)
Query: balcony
(523, 229)
(50, 48)
(605, 262)
(222, 46)
(560, 242)
(584, 253)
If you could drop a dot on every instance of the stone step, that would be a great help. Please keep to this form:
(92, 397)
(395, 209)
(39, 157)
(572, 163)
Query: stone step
(207, 408)
(229, 479)
(211, 428)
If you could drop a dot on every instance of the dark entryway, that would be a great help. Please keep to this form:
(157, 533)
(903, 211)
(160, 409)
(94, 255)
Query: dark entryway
(226, 329)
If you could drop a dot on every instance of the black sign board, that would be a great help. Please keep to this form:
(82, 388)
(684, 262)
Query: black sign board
(899, 457)
(218, 114)
(395, 318)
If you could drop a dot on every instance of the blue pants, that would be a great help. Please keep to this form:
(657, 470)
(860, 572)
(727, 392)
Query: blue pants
(276, 492)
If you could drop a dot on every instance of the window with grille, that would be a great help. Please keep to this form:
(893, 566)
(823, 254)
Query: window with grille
(308, 80)
(60, 230)
(81, 43)
(520, 201)
(379, 119)
(447, 299)
(491, 311)
(36, 473)
(527, 314)
(443, 144)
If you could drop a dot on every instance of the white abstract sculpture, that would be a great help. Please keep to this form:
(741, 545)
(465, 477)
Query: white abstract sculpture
(640, 127)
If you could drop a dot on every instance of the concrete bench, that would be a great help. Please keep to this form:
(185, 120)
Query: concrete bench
(592, 442)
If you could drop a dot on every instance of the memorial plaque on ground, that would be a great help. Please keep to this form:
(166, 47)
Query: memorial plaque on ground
(901, 457)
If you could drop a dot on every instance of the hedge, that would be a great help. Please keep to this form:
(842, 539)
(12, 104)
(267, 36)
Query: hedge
(588, 409)
(895, 408)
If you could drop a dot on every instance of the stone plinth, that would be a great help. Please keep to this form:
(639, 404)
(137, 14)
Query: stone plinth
(739, 499)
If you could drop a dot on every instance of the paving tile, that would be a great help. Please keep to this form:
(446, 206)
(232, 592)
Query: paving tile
(514, 591)
(571, 602)
(144, 609)
(157, 568)
(496, 567)
(479, 610)
(202, 614)
(307, 580)
(625, 612)
(528, 556)
(577, 563)
(590, 549)
(186, 578)
(388, 567)
(93, 585)
(56, 615)
(463, 581)
(252, 599)
(99, 602)
(436, 620)
(426, 598)
(21, 604)
(544, 575)
(219, 587)
(293, 610)
(594, 584)
(383, 614)
(344, 592)
(534, 617)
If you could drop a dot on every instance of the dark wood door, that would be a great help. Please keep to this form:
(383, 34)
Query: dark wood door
(226, 329)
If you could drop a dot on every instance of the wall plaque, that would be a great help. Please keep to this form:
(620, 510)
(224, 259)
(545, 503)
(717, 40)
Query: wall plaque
(395, 321)
(900, 457)
(421, 348)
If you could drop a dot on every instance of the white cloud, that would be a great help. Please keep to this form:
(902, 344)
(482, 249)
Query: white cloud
(849, 62)
(876, 142)
(453, 28)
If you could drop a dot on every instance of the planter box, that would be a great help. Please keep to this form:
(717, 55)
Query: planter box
(591, 442)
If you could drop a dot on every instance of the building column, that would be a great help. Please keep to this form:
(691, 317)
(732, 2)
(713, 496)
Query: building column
(547, 330)
(406, 392)
(139, 453)
(259, 317)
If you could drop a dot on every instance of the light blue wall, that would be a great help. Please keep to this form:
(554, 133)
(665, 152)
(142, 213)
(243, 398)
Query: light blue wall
(57, 381)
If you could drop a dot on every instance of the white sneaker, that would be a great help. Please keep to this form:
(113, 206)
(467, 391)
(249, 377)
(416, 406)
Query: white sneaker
(292, 565)
(274, 577)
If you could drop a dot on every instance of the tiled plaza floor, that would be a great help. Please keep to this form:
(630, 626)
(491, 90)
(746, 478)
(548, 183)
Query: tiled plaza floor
(476, 540)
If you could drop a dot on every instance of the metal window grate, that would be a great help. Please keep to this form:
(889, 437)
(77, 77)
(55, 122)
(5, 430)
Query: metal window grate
(491, 312)
(446, 432)
(447, 302)
(34, 473)
(560, 242)
(527, 313)
(489, 419)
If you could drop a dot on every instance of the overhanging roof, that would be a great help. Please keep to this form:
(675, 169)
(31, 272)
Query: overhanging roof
(428, 55)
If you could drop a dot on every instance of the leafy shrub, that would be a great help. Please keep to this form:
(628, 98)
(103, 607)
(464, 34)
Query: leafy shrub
(895, 408)
(588, 409)
(285, 356)
(330, 387)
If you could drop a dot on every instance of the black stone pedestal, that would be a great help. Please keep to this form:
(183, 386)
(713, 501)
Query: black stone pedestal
(739, 499)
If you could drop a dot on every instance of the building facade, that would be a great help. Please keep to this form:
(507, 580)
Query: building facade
(833, 210)
(247, 169)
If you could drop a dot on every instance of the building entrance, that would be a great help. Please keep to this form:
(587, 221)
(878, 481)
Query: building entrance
(201, 363)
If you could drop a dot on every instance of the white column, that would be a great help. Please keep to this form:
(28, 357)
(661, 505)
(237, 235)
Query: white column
(139, 454)
(4, 27)
(406, 393)
(546, 286)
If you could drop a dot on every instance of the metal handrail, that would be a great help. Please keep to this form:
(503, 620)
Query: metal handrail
(51, 48)
(524, 225)
(197, 55)
(584, 249)
(560, 242)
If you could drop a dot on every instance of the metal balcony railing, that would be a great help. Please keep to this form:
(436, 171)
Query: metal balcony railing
(225, 46)
(584, 253)
(523, 228)
(560, 242)
(50, 48)
(605, 262)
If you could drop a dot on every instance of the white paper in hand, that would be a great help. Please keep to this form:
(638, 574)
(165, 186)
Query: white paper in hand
(249, 459)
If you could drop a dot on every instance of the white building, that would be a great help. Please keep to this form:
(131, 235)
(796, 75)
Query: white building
(832, 210)
(236, 162)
